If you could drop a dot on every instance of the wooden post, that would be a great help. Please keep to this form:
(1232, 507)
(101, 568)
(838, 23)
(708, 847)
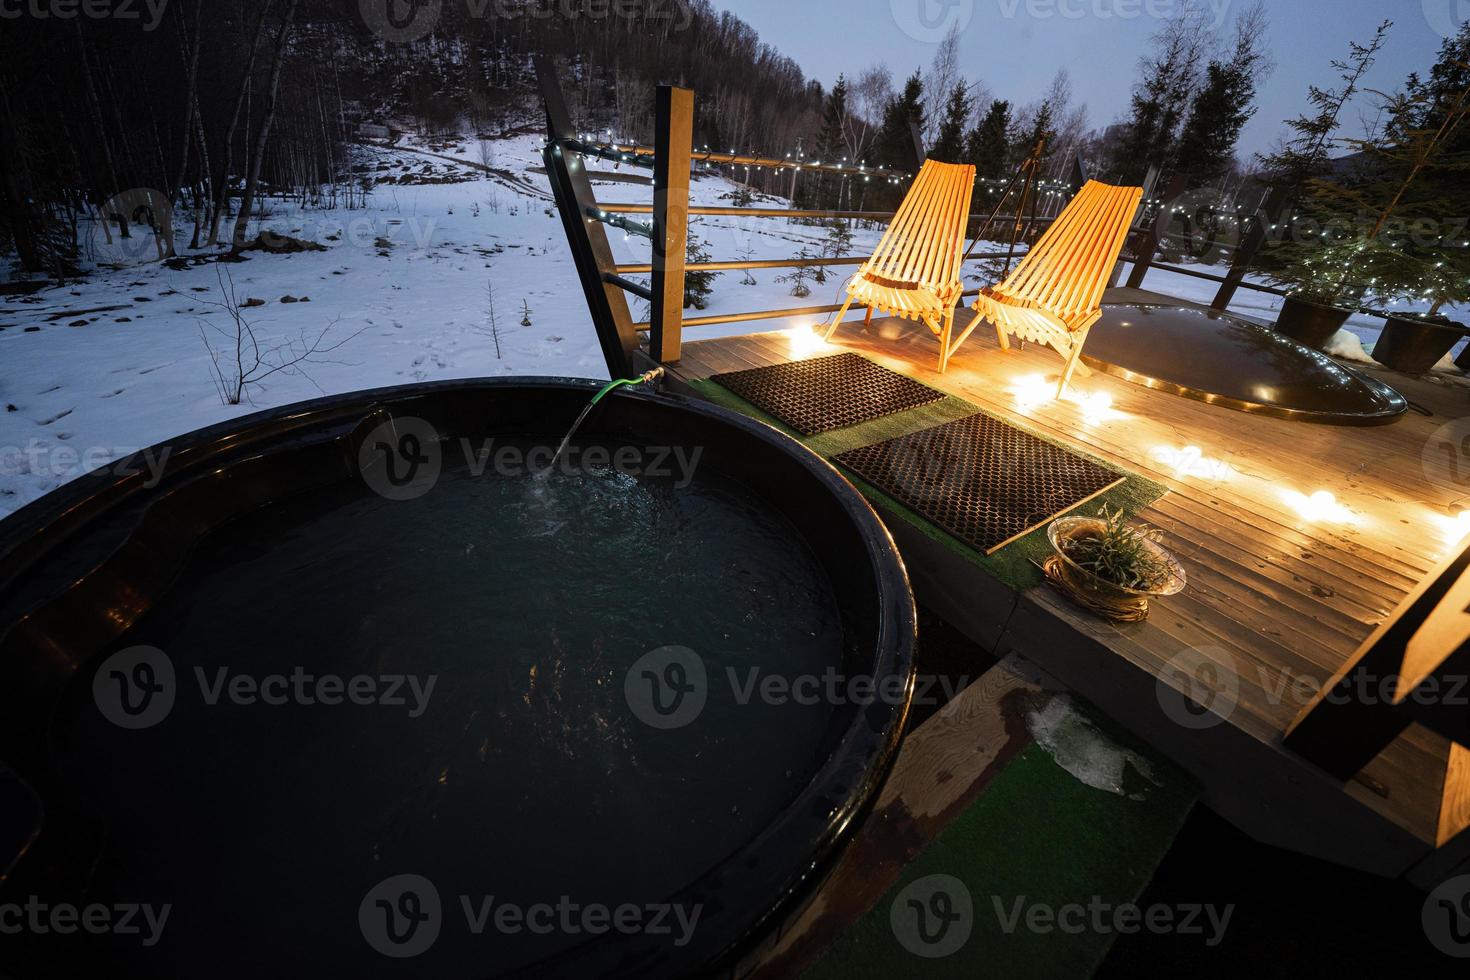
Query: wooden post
(591, 253)
(673, 141)
(1150, 245)
(1270, 210)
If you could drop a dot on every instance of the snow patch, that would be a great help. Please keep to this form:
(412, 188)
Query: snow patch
(1348, 346)
(1080, 748)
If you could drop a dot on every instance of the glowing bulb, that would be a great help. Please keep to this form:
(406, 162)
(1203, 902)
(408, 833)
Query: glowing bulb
(1192, 462)
(1320, 506)
(1454, 529)
(805, 341)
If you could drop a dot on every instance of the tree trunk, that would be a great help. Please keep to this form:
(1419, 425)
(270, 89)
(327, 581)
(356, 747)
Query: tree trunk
(222, 192)
(257, 155)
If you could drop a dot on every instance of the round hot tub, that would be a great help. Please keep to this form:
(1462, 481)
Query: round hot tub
(379, 685)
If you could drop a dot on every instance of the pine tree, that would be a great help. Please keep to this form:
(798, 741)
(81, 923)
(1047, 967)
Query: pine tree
(821, 190)
(1161, 97)
(1223, 105)
(698, 285)
(950, 146)
(895, 141)
(1039, 128)
(1309, 256)
(989, 143)
(1414, 250)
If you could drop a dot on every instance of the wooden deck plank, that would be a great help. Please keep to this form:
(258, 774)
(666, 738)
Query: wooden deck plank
(1280, 599)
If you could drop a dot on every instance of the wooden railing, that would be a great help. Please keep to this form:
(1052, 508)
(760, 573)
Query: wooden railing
(606, 282)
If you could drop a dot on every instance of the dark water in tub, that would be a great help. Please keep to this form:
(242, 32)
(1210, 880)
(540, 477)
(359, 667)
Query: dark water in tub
(526, 774)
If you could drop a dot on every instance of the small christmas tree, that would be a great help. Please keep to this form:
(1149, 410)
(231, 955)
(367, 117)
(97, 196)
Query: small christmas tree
(800, 277)
(1309, 256)
(1415, 251)
(698, 286)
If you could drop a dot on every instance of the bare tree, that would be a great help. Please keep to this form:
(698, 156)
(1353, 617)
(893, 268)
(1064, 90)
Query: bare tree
(257, 153)
(243, 362)
(868, 96)
(940, 81)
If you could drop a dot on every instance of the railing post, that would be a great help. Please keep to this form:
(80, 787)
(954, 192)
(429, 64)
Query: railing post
(1144, 257)
(673, 141)
(1270, 210)
(591, 253)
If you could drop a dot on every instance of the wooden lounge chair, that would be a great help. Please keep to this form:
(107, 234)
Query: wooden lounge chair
(915, 271)
(1054, 295)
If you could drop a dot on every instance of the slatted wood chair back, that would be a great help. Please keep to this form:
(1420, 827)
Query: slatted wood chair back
(1066, 272)
(924, 245)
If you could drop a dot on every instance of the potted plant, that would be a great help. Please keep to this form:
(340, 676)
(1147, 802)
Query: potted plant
(1111, 567)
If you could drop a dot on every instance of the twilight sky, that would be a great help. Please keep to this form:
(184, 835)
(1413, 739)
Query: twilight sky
(1014, 47)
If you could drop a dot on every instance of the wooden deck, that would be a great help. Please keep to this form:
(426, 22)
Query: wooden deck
(1276, 601)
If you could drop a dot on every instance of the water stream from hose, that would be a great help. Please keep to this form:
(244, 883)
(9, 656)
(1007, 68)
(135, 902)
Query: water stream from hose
(647, 378)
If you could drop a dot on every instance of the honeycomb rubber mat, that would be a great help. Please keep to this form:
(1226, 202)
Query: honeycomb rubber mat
(828, 393)
(982, 480)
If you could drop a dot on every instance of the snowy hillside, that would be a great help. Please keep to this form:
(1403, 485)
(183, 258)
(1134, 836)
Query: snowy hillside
(449, 271)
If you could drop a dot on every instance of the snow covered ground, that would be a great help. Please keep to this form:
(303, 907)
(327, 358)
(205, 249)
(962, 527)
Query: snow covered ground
(448, 272)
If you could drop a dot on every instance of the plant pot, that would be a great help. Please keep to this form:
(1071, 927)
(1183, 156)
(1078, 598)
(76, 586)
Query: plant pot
(1098, 593)
(1308, 323)
(1415, 344)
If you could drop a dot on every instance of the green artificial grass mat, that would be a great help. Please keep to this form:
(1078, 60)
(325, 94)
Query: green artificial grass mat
(1037, 836)
(1017, 563)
